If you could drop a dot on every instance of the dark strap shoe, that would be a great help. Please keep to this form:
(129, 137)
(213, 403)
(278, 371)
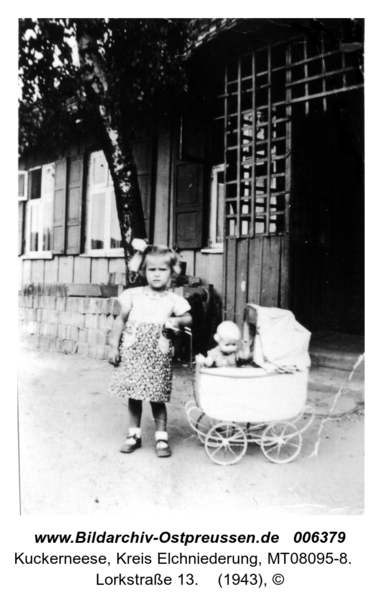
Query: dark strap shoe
(131, 444)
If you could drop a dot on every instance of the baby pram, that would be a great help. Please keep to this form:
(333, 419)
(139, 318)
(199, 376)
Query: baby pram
(264, 402)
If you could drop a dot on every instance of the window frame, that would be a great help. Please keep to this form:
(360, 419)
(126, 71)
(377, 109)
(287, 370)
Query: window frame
(45, 198)
(108, 189)
(213, 245)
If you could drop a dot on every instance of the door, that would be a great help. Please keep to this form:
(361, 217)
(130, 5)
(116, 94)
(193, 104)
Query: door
(327, 218)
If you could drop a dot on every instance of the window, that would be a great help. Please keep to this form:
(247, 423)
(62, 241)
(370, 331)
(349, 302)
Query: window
(217, 200)
(40, 209)
(256, 148)
(103, 224)
(252, 113)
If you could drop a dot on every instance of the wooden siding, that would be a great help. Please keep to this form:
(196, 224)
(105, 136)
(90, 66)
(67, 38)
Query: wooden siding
(210, 268)
(188, 256)
(82, 268)
(66, 269)
(260, 274)
(99, 270)
(37, 273)
(26, 269)
(69, 269)
(116, 265)
(51, 270)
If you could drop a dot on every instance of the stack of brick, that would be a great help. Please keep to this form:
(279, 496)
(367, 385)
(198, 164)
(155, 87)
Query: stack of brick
(67, 323)
(79, 318)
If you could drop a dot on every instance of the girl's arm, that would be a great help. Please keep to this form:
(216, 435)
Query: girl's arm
(117, 330)
(184, 321)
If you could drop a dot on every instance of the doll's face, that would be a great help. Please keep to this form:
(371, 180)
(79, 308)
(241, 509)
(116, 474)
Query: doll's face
(227, 346)
(227, 337)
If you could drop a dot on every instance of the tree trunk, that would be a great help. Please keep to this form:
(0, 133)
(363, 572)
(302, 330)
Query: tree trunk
(115, 146)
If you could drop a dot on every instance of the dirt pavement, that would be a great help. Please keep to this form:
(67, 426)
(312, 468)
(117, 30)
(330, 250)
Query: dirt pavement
(71, 428)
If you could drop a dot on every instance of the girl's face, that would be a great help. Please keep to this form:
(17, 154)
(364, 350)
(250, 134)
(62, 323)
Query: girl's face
(158, 272)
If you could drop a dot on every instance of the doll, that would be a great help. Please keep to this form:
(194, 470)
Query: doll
(224, 354)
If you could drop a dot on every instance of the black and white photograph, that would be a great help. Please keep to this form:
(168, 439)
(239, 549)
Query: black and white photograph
(191, 267)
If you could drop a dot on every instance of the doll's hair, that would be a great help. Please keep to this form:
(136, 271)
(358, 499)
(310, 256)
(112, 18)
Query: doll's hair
(228, 331)
(165, 252)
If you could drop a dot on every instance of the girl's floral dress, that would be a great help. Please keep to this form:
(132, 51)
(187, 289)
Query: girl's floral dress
(145, 369)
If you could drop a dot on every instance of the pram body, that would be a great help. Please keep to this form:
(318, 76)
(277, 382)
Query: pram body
(266, 405)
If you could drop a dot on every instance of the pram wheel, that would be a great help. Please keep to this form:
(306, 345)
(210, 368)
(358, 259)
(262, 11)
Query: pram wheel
(226, 443)
(203, 425)
(281, 442)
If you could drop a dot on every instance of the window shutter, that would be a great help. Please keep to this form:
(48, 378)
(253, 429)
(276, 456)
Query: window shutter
(188, 205)
(59, 207)
(74, 206)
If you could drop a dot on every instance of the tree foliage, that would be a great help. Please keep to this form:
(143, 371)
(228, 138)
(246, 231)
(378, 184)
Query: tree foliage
(142, 60)
(106, 78)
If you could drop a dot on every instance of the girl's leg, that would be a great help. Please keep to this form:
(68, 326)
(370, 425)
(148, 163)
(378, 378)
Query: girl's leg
(135, 409)
(133, 440)
(159, 411)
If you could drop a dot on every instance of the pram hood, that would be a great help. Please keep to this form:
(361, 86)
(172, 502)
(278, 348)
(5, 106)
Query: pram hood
(280, 343)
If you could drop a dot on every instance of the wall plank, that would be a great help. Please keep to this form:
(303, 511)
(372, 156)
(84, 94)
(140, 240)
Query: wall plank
(26, 266)
(116, 265)
(38, 271)
(65, 269)
(82, 269)
(19, 276)
(215, 272)
(188, 256)
(51, 270)
(271, 272)
(100, 270)
(241, 287)
(201, 269)
(207, 266)
(255, 270)
(284, 301)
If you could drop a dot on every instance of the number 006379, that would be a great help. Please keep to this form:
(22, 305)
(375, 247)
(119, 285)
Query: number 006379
(319, 537)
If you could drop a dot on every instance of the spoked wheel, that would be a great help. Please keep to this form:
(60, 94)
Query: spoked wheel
(226, 443)
(203, 425)
(281, 442)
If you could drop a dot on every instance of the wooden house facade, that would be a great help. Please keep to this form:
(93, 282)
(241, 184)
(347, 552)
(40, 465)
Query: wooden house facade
(259, 183)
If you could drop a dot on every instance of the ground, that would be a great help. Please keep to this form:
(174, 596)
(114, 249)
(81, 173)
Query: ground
(71, 428)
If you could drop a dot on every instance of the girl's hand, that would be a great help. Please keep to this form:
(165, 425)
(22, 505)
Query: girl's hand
(113, 356)
(171, 323)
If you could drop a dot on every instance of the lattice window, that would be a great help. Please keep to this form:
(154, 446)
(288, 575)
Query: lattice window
(254, 111)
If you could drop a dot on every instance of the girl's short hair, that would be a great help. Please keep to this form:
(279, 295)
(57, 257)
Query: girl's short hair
(163, 251)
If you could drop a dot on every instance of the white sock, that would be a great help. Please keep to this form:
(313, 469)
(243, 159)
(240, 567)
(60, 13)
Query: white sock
(135, 431)
(161, 435)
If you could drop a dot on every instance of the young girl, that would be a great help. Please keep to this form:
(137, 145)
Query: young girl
(140, 348)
